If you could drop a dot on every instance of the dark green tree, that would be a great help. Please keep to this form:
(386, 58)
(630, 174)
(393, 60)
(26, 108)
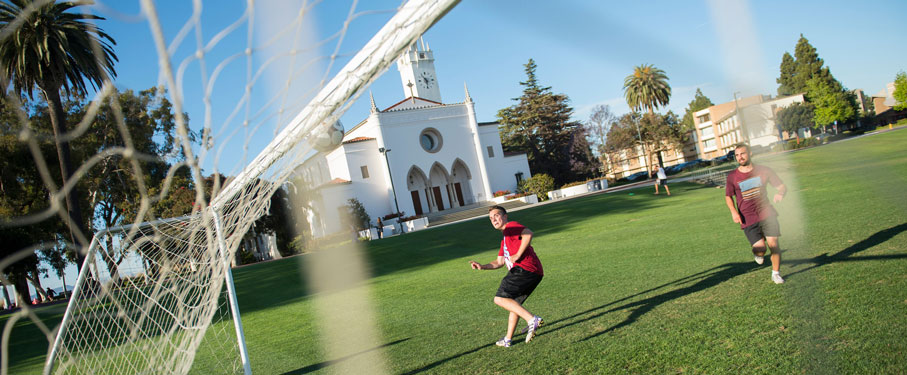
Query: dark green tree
(788, 71)
(699, 102)
(54, 50)
(540, 125)
(22, 194)
(795, 117)
(900, 91)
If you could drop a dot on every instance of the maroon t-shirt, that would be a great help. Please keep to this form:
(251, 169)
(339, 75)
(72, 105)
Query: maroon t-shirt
(510, 245)
(748, 191)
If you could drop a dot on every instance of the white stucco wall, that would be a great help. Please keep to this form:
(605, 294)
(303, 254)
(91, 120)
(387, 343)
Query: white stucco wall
(400, 132)
(501, 169)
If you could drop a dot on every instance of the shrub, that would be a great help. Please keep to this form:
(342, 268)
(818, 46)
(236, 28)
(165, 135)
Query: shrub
(358, 215)
(539, 184)
(501, 193)
(391, 216)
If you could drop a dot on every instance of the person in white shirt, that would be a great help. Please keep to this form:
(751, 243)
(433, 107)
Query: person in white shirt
(661, 179)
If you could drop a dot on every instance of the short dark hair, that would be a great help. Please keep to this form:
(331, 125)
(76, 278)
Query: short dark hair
(496, 207)
(743, 145)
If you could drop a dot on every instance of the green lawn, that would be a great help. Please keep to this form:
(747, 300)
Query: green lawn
(634, 284)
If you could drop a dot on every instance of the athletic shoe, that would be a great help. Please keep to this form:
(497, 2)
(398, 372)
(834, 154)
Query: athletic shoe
(759, 259)
(777, 278)
(533, 326)
(503, 342)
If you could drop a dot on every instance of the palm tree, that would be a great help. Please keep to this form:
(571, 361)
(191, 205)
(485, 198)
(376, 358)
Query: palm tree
(646, 88)
(43, 45)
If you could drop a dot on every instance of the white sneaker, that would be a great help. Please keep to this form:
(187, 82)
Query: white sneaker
(759, 259)
(777, 278)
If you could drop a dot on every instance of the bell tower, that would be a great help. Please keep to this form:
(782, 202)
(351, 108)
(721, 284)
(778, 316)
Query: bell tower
(417, 72)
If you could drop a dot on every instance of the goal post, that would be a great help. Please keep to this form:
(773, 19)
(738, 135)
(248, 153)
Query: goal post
(158, 296)
(172, 281)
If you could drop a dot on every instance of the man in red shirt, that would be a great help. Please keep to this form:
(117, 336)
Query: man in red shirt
(524, 273)
(756, 216)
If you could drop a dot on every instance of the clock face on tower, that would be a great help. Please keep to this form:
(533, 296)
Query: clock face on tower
(426, 80)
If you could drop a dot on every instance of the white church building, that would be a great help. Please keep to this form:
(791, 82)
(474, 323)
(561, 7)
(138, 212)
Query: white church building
(420, 154)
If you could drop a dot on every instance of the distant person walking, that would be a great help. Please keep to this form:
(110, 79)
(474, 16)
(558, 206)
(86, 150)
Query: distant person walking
(661, 179)
(747, 185)
(523, 275)
(380, 228)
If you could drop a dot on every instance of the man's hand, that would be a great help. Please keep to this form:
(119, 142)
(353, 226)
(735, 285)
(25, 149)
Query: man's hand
(736, 217)
(474, 265)
(778, 197)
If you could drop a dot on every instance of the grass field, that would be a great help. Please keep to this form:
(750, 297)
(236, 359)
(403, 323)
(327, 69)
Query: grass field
(634, 284)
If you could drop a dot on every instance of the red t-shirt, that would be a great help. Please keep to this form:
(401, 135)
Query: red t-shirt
(510, 245)
(748, 190)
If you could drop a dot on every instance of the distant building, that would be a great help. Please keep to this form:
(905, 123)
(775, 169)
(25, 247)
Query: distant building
(419, 154)
(884, 102)
(751, 120)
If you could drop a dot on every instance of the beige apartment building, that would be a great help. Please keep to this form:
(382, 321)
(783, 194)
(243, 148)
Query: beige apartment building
(750, 119)
(716, 130)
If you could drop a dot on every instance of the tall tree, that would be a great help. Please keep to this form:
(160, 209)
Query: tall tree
(699, 102)
(647, 88)
(795, 117)
(900, 91)
(540, 125)
(788, 71)
(22, 194)
(597, 126)
(55, 50)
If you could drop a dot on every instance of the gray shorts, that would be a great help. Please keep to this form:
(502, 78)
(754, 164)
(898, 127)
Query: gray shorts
(768, 227)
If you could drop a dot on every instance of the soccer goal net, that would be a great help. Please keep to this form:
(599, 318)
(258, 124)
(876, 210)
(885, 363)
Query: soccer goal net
(154, 295)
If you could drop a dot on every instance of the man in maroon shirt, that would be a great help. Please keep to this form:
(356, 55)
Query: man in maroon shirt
(524, 273)
(756, 216)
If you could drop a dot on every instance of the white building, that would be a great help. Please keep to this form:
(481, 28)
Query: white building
(432, 155)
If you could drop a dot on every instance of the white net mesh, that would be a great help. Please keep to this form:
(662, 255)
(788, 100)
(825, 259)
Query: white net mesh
(151, 295)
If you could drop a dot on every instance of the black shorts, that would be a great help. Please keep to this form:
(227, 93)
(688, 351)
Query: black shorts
(768, 227)
(661, 182)
(518, 284)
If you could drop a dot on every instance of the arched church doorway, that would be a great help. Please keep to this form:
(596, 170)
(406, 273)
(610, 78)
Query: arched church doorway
(417, 184)
(439, 182)
(460, 185)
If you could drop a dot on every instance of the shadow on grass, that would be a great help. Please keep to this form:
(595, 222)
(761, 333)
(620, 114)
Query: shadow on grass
(321, 365)
(265, 285)
(427, 247)
(846, 254)
(702, 280)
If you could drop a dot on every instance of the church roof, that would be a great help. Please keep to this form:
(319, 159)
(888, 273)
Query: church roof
(358, 139)
(337, 181)
(412, 102)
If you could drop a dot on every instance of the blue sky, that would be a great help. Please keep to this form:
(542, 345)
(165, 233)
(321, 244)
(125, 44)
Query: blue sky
(583, 49)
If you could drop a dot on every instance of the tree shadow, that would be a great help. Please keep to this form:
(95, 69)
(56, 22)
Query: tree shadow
(701, 281)
(318, 366)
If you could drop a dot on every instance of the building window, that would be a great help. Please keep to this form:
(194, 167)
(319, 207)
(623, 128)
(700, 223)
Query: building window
(519, 177)
(364, 170)
(430, 140)
(490, 152)
(704, 118)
